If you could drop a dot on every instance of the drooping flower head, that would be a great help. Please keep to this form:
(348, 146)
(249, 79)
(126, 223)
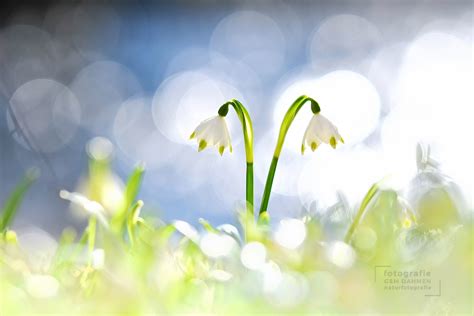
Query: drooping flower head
(213, 132)
(320, 130)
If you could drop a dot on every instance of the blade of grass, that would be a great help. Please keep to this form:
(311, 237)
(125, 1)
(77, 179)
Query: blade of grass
(374, 189)
(133, 185)
(13, 202)
(130, 194)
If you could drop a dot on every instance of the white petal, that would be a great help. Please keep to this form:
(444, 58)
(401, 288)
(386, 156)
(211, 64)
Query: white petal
(324, 129)
(203, 126)
(214, 131)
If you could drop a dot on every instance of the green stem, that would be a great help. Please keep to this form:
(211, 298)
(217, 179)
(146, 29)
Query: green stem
(268, 185)
(91, 232)
(285, 125)
(363, 206)
(247, 129)
(249, 186)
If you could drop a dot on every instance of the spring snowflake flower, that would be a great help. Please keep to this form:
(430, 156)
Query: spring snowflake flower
(320, 130)
(213, 132)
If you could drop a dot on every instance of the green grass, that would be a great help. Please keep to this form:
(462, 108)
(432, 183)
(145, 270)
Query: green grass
(126, 262)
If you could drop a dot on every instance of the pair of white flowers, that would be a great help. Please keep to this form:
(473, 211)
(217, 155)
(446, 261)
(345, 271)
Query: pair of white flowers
(214, 132)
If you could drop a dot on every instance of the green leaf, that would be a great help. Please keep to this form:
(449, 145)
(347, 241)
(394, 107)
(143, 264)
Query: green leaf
(133, 185)
(13, 202)
(131, 191)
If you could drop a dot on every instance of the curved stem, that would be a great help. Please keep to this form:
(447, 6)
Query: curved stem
(285, 125)
(247, 129)
(374, 189)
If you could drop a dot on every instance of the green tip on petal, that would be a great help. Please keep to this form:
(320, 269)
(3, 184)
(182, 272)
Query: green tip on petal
(192, 135)
(202, 145)
(230, 148)
(302, 149)
(221, 150)
(314, 146)
(342, 139)
(332, 141)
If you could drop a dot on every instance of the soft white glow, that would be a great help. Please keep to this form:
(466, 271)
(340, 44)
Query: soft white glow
(203, 100)
(272, 276)
(98, 259)
(253, 255)
(183, 100)
(351, 172)
(347, 99)
(351, 102)
(384, 71)
(112, 194)
(434, 105)
(215, 245)
(290, 233)
(340, 254)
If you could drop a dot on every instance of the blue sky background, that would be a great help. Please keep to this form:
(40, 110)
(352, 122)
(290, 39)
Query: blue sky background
(143, 74)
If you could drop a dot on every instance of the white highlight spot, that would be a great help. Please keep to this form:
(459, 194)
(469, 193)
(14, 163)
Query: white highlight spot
(98, 259)
(290, 233)
(341, 254)
(253, 255)
(215, 245)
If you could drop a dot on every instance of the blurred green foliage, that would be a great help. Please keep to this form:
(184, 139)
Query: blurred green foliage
(128, 263)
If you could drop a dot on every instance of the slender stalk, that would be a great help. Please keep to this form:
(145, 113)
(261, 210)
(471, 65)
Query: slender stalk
(91, 232)
(249, 186)
(247, 129)
(268, 185)
(285, 125)
(363, 206)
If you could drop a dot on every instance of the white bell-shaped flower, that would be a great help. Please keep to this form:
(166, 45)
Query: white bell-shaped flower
(320, 130)
(213, 132)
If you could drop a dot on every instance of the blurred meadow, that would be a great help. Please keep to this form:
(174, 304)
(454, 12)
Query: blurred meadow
(106, 206)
